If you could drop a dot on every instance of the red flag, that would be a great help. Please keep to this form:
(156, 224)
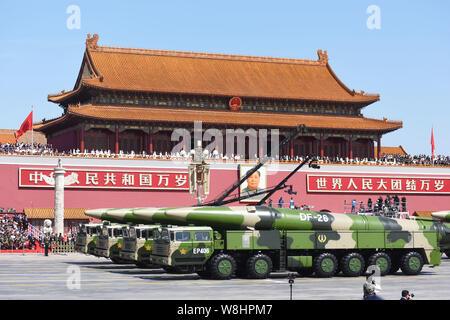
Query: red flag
(26, 125)
(432, 144)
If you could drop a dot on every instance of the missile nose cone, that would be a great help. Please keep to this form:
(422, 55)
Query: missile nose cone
(442, 215)
(95, 213)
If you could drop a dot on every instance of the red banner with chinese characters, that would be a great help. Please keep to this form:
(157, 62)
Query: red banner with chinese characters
(105, 179)
(378, 184)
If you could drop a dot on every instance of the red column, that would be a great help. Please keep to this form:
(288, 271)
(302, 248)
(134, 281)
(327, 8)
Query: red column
(82, 139)
(116, 142)
(350, 148)
(150, 140)
(379, 147)
(321, 146)
(291, 148)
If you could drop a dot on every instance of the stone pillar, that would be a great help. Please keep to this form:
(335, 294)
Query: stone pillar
(59, 199)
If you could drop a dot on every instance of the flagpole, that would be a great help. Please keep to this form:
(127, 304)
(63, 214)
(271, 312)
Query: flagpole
(32, 146)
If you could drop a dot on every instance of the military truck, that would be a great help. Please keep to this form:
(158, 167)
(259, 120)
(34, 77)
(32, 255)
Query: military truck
(307, 242)
(109, 242)
(137, 243)
(87, 237)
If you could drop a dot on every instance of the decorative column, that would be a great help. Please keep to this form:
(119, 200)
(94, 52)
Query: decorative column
(59, 199)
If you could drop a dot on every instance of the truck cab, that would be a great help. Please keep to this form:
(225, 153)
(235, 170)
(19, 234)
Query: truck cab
(137, 243)
(87, 237)
(109, 242)
(184, 249)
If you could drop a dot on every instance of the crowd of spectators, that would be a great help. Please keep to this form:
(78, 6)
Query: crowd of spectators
(386, 159)
(25, 148)
(391, 206)
(17, 234)
(14, 233)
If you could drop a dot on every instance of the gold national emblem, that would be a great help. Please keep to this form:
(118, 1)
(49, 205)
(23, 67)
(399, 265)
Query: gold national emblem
(183, 251)
(235, 103)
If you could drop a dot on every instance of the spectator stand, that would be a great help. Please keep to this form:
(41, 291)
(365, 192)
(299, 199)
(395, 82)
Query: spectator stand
(215, 156)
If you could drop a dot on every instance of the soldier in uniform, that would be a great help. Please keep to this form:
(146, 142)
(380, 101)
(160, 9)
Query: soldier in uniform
(46, 244)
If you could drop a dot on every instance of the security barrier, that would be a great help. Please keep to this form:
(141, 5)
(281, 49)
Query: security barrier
(62, 247)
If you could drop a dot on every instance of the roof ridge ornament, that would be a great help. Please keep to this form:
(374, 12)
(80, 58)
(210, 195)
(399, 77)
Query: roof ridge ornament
(323, 57)
(91, 42)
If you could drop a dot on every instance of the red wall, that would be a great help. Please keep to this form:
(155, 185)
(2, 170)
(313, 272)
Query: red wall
(13, 196)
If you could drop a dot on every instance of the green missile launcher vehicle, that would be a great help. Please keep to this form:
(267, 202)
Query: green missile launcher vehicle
(137, 244)
(254, 241)
(87, 237)
(109, 242)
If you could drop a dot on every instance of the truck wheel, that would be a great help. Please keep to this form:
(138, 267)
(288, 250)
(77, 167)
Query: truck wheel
(325, 265)
(411, 263)
(382, 261)
(259, 266)
(222, 267)
(352, 264)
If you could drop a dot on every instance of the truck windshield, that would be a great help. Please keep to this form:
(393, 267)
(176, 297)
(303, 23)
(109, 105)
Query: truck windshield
(126, 232)
(138, 233)
(132, 233)
(183, 236)
(91, 230)
(202, 236)
(163, 235)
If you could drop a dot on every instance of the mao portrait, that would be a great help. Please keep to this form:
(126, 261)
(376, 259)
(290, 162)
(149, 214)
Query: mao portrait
(255, 183)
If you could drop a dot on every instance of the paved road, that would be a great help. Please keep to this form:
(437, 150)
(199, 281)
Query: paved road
(56, 277)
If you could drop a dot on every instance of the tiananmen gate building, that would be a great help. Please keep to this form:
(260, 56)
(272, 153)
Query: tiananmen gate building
(132, 99)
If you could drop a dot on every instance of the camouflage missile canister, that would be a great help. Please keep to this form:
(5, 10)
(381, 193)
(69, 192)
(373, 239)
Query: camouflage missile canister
(280, 239)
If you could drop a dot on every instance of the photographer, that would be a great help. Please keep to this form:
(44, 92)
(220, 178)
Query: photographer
(406, 295)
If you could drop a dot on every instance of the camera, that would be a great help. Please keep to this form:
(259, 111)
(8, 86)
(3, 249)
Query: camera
(291, 278)
(412, 295)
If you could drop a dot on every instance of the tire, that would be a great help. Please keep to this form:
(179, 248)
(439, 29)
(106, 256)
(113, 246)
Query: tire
(382, 260)
(325, 265)
(411, 263)
(259, 266)
(222, 267)
(352, 264)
